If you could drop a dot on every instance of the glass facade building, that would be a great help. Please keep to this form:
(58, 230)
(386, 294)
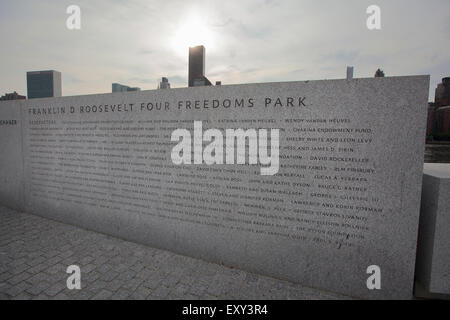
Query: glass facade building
(117, 87)
(196, 64)
(43, 84)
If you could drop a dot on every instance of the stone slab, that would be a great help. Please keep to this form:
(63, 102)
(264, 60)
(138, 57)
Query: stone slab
(346, 195)
(433, 252)
(11, 158)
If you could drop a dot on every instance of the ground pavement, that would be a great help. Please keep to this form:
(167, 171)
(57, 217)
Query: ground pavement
(35, 253)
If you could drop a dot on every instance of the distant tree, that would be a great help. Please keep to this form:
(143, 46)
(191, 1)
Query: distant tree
(379, 73)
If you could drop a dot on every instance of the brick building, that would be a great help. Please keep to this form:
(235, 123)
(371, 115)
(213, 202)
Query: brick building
(438, 120)
(12, 96)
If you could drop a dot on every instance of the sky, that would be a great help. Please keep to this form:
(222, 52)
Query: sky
(136, 42)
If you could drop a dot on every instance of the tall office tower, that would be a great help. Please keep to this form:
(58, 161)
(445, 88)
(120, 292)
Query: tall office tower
(196, 64)
(164, 84)
(117, 87)
(43, 84)
(349, 73)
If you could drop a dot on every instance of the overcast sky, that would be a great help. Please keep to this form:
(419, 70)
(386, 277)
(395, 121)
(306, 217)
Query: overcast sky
(136, 42)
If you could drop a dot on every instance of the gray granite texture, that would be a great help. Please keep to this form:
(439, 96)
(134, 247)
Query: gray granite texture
(346, 195)
(11, 156)
(433, 252)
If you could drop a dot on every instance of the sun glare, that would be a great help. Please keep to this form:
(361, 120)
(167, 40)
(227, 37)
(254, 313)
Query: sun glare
(194, 31)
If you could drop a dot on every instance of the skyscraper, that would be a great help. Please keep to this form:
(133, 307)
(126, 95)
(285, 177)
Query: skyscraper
(117, 87)
(43, 84)
(349, 73)
(196, 63)
(164, 84)
(197, 67)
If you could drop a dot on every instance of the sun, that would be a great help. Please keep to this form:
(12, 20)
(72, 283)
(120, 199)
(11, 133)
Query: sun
(192, 32)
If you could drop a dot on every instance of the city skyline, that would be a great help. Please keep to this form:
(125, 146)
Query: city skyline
(138, 42)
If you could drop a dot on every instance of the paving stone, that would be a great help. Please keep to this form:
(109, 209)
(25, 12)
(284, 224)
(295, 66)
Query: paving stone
(114, 285)
(209, 297)
(127, 275)
(36, 261)
(38, 288)
(38, 278)
(97, 285)
(37, 268)
(197, 290)
(61, 296)
(161, 292)
(14, 291)
(41, 297)
(91, 277)
(121, 295)
(85, 260)
(153, 282)
(23, 296)
(35, 253)
(55, 289)
(140, 293)
(102, 295)
(19, 278)
(59, 267)
(88, 268)
(19, 269)
(132, 284)
(108, 276)
(82, 294)
(180, 289)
